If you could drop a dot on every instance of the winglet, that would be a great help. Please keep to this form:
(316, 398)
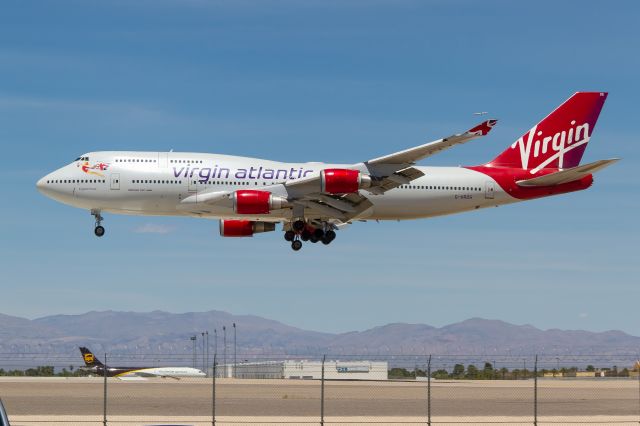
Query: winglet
(483, 128)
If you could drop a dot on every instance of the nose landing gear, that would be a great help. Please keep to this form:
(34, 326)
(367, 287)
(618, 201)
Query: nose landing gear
(99, 229)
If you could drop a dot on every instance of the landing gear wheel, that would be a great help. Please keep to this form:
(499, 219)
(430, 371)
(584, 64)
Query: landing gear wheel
(98, 230)
(318, 233)
(328, 237)
(296, 245)
(298, 225)
(289, 235)
(305, 235)
(313, 238)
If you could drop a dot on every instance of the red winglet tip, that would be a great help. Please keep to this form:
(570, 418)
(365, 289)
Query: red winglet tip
(483, 128)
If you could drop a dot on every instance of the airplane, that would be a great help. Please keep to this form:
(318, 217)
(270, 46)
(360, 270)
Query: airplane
(94, 365)
(314, 200)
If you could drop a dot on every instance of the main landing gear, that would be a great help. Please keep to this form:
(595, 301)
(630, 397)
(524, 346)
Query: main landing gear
(99, 229)
(300, 230)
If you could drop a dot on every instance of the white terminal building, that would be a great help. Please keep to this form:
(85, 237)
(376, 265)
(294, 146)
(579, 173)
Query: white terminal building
(290, 369)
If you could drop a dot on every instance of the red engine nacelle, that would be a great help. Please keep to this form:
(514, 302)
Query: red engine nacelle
(343, 181)
(249, 201)
(244, 228)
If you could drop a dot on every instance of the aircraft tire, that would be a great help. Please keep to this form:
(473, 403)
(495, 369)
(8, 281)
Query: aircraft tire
(296, 245)
(99, 231)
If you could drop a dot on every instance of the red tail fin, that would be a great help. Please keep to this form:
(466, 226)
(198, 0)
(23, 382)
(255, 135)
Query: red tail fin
(559, 140)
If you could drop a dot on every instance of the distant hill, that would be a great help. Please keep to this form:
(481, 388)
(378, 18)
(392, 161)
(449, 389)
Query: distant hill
(477, 336)
(167, 333)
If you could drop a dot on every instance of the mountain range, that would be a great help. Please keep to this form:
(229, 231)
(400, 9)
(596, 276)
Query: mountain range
(159, 332)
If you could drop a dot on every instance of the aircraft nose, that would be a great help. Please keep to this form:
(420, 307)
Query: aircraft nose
(41, 184)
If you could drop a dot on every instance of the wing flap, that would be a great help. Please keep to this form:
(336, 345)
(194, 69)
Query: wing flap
(342, 208)
(567, 175)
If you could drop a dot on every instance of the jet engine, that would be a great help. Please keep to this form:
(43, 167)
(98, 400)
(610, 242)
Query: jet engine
(249, 201)
(244, 228)
(343, 181)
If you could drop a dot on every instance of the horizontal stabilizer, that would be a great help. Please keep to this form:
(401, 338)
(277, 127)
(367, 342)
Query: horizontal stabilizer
(567, 175)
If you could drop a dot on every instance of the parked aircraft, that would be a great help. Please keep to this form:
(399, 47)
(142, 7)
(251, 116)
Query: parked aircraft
(93, 364)
(313, 200)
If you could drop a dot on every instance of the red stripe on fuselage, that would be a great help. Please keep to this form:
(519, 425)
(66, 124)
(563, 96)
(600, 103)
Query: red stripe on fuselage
(507, 177)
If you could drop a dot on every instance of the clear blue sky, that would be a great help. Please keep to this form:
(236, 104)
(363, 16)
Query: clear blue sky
(338, 81)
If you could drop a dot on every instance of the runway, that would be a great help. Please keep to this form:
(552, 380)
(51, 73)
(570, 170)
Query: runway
(169, 398)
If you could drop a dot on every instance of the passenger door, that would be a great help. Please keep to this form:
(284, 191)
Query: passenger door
(115, 181)
(489, 190)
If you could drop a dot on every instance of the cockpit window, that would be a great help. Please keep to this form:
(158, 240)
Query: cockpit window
(77, 159)
(82, 159)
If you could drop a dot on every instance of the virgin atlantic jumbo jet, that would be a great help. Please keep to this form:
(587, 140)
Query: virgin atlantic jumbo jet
(313, 200)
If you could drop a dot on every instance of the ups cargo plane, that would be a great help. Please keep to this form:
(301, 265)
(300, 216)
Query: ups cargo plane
(313, 200)
(94, 365)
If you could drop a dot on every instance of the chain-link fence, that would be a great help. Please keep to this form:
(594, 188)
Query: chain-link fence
(321, 389)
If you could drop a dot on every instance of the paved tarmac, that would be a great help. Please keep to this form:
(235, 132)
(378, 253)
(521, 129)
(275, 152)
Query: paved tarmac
(192, 397)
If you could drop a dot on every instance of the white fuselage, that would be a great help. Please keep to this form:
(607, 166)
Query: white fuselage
(157, 183)
(166, 372)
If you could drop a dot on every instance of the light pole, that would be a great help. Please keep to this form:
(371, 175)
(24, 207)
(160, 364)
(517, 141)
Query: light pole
(224, 348)
(203, 353)
(235, 352)
(215, 341)
(206, 370)
(193, 339)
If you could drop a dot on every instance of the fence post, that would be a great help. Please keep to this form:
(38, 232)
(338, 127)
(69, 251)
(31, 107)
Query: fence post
(535, 392)
(104, 406)
(324, 358)
(429, 391)
(213, 390)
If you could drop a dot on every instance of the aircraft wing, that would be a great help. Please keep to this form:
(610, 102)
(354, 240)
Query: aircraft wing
(393, 170)
(411, 155)
(387, 172)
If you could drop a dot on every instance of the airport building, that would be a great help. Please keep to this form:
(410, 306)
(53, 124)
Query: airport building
(290, 369)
